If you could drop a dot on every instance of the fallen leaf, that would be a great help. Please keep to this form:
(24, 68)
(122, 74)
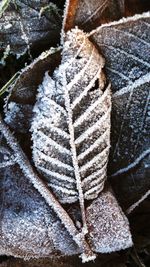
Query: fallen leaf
(71, 125)
(20, 101)
(29, 227)
(125, 46)
(52, 111)
(90, 14)
(104, 219)
(23, 29)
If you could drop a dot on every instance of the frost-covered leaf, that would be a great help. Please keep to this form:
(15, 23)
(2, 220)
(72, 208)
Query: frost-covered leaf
(19, 103)
(35, 225)
(90, 14)
(71, 126)
(126, 45)
(22, 27)
(104, 207)
(29, 227)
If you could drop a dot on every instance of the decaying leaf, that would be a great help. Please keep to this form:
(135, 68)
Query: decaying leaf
(71, 126)
(90, 14)
(23, 29)
(125, 46)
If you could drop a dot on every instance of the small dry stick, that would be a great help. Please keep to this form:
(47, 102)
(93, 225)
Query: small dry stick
(136, 204)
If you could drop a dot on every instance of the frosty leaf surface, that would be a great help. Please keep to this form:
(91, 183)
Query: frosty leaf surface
(71, 126)
(90, 14)
(22, 27)
(20, 101)
(33, 223)
(104, 207)
(125, 45)
(28, 226)
(24, 165)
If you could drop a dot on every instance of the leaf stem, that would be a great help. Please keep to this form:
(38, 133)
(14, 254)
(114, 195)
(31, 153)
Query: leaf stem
(74, 155)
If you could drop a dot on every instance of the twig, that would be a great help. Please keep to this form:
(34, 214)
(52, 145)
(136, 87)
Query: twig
(7, 85)
(136, 204)
(3, 6)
